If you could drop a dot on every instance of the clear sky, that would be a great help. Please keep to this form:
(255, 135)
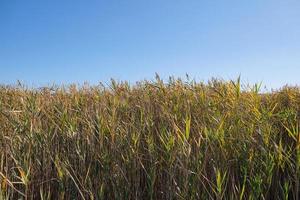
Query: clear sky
(64, 41)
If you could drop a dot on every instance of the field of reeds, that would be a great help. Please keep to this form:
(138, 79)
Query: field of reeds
(177, 139)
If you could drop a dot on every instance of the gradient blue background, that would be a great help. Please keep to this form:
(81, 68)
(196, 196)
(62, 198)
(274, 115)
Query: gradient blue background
(64, 41)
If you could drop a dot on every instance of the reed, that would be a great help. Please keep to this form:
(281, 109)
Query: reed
(178, 139)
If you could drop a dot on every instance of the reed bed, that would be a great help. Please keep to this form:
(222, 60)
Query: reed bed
(178, 139)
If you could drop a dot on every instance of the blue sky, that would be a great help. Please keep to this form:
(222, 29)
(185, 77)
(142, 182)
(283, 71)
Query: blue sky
(66, 41)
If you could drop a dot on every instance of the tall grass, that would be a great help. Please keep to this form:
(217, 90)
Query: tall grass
(154, 140)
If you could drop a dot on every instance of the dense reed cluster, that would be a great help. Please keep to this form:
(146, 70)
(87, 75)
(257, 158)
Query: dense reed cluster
(153, 140)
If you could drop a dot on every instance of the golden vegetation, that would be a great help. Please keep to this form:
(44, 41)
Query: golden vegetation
(153, 140)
